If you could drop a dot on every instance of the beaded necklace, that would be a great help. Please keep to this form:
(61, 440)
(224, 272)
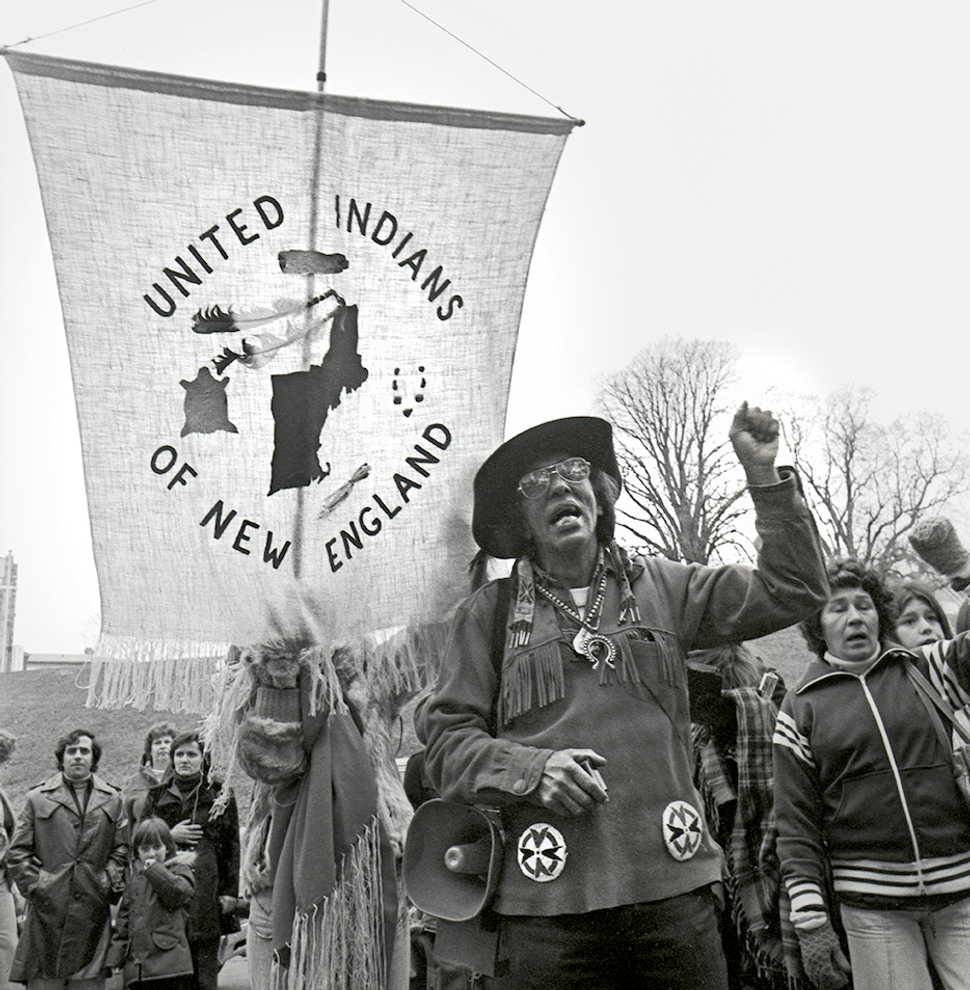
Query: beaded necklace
(588, 642)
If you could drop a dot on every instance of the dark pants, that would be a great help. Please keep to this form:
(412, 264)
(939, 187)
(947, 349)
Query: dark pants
(205, 961)
(671, 944)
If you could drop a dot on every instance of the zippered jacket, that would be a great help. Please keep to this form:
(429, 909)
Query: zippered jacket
(862, 777)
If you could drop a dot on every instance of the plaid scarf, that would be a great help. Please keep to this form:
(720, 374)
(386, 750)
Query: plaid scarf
(742, 816)
(791, 954)
(769, 862)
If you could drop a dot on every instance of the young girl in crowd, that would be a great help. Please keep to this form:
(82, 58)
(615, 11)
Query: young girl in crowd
(920, 620)
(151, 918)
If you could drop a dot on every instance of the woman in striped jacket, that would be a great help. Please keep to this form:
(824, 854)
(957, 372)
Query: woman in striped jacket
(865, 793)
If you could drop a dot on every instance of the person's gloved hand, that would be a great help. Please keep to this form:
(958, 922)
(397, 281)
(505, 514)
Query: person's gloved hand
(822, 956)
(937, 542)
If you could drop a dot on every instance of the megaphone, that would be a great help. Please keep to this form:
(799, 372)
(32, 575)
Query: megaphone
(452, 859)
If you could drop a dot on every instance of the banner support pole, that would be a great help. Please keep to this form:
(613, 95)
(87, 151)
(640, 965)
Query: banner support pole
(299, 521)
(322, 61)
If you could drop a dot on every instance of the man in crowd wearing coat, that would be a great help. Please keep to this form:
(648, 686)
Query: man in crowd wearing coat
(68, 857)
(563, 701)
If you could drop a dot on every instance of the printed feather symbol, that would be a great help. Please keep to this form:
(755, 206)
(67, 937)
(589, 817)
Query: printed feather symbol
(228, 356)
(261, 348)
(215, 319)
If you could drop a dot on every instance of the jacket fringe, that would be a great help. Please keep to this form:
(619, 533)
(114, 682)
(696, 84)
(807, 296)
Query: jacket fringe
(535, 678)
(339, 943)
(624, 671)
(672, 668)
(531, 680)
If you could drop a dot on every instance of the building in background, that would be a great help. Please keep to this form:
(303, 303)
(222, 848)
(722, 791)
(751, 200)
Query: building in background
(42, 661)
(11, 657)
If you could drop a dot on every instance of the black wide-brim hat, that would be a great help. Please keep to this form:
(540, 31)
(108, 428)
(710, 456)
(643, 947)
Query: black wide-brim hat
(498, 478)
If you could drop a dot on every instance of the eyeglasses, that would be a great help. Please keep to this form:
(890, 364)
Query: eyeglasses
(573, 470)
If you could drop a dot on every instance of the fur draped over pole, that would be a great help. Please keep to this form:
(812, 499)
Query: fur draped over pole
(313, 724)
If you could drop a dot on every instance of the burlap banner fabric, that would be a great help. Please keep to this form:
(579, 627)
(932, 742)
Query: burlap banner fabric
(291, 321)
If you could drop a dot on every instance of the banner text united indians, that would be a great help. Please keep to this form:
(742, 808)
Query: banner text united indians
(291, 321)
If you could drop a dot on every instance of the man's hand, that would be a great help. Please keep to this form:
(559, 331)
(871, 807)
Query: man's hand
(104, 882)
(187, 834)
(566, 787)
(754, 435)
(227, 904)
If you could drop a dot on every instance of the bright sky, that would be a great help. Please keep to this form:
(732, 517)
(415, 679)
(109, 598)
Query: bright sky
(788, 176)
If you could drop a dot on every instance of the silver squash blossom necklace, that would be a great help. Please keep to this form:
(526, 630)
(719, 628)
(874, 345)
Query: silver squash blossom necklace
(588, 642)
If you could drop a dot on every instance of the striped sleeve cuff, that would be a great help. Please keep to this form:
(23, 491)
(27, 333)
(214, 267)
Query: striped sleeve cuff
(807, 904)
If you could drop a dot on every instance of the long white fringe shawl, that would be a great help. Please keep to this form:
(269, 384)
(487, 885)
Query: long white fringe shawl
(193, 677)
(167, 675)
(339, 943)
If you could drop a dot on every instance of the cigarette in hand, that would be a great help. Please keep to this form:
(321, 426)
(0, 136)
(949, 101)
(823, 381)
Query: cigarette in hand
(587, 765)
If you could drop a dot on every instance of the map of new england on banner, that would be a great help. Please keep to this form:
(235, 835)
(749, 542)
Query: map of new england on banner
(291, 320)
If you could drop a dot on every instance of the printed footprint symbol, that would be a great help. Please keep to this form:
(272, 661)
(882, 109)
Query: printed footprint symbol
(418, 392)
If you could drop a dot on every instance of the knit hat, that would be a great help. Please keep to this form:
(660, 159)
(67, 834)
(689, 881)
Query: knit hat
(498, 478)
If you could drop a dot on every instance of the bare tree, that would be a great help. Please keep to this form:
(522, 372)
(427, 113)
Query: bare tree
(669, 415)
(870, 484)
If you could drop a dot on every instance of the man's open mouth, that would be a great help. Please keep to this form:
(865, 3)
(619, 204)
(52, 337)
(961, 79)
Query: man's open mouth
(568, 511)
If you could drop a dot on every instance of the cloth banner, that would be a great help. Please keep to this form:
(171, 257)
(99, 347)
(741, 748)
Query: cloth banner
(291, 320)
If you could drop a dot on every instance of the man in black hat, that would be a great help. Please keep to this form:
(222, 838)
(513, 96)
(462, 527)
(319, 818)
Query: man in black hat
(563, 702)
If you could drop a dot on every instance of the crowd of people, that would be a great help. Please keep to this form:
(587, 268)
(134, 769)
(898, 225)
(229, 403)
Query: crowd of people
(142, 880)
(757, 836)
(840, 846)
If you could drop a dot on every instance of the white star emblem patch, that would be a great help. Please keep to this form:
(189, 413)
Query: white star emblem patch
(542, 852)
(683, 829)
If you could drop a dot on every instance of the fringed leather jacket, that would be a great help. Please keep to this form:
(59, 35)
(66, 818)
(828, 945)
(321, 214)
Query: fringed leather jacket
(490, 731)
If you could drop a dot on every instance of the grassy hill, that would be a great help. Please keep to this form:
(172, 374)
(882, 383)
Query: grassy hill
(785, 651)
(39, 706)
